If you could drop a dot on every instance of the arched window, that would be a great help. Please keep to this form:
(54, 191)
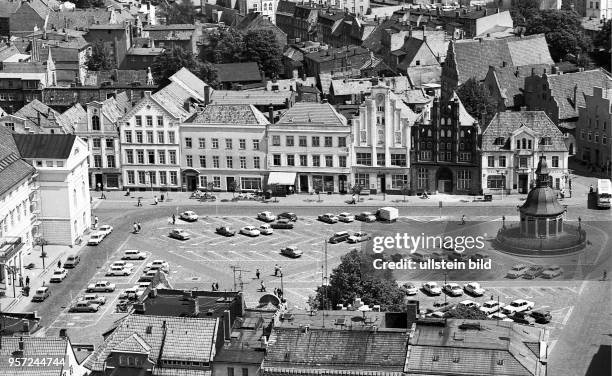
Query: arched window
(518, 144)
(448, 146)
(524, 143)
(462, 134)
(529, 144)
(95, 122)
(429, 133)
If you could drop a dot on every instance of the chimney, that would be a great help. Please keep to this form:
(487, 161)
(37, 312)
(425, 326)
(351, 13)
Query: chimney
(196, 307)
(206, 95)
(575, 95)
(38, 115)
(504, 64)
(227, 325)
(20, 343)
(63, 333)
(271, 113)
(555, 70)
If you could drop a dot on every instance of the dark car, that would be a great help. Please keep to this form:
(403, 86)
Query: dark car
(283, 224)
(72, 261)
(523, 318)
(339, 237)
(288, 215)
(225, 231)
(541, 317)
(533, 272)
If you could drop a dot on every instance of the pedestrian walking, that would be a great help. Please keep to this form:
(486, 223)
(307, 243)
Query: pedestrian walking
(59, 264)
(155, 200)
(173, 219)
(20, 281)
(127, 192)
(98, 186)
(492, 297)
(103, 197)
(95, 222)
(463, 219)
(135, 227)
(216, 286)
(139, 202)
(605, 275)
(139, 227)
(276, 270)
(212, 286)
(263, 286)
(280, 272)
(28, 280)
(257, 273)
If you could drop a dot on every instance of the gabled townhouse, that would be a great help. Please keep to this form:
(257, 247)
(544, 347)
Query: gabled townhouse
(594, 129)
(37, 117)
(507, 84)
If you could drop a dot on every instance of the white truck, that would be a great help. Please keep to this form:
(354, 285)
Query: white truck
(387, 214)
(604, 192)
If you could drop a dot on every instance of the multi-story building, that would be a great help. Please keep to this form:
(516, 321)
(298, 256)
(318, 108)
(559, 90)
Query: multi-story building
(223, 146)
(512, 145)
(445, 150)
(310, 141)
(600, 9)
(61, 163)
(21, 83)
(18, 210)
(381, 142)
(594, 129)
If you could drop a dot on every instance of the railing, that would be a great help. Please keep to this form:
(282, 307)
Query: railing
(9, 246)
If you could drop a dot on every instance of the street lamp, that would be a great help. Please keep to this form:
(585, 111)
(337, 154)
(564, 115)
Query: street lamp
(151, 180)
(501, 172)
(42, 241)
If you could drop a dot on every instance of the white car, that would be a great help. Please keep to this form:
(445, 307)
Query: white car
(552, 272)
(249, 231)
(162, 265)
(432, 288)
(132, 293)
(346, 217)
(105, 229)
(491, 306)
(468, 304)
(517, 271)
(499, 316)
(58, 275)
(133, 254)
(265, 229)
(188, 216)
(118, 270)
(474, 289)
(266, 216)
(101, 286)
(410, 289)
(453, 289)
(358, 237)
(123, 264)
(95, 238)
(519, 305)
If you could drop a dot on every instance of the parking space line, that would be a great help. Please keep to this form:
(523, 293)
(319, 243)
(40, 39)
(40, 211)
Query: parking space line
(217, 254)
(567, 316)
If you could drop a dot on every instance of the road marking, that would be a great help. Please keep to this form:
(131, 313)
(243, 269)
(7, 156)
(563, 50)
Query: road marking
(567, 316)
(217, 254)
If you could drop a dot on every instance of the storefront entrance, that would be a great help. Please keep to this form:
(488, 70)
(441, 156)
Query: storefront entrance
(445, 180)
(304, 183)
(382, 183)
(342, 184)
(523, 180)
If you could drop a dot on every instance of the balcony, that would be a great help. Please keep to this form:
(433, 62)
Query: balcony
(34, 221)
(9, 246)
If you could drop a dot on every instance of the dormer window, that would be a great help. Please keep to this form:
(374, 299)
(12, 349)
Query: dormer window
(499, 141)
(95, 122)
(546, 141)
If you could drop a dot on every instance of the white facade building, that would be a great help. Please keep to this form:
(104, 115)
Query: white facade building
(599, 9)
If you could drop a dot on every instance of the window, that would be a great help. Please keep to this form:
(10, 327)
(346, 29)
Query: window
(189, 159)
(188, 143)
(491, 161)
(149, 121)
(529, 144)
(380, 159)
(302, 141)
(11, 126)
(201, 143)
(96, 143)
(464, 180)
(499, 141)
(256, 162)
(604, 140)
(524, 143)
(289, 141)
(250, 183)
(138, 120)
(342, 160)
(130, 177)
(426, 155)
(229, 161)
(139, 137)
(230, 371)
(290, 160)
(160, 121)
(109, 143)
(163, 178)
(303, 160)
(364, 159)
(341, 142)
(217, 181)
(328, 142)
(171, 138)
(546, 141)
(398, 160)
(172, 154)
(276, 160)
(97, 161)
(362, 180)
(110, 161)
(160, 137)
(242, 144)
(243, 162)
(95, 122)
(215, 143)
(215, 161)
(149, 137)
(275, 140)
(523, 162)
(315, 141)
(203, 181)
(555, 161)
(129, 156)
(590, 136)
(141, 177)
(173, 178)
(59, 163)
(255, 144)
(422, 178)
(518, 144)
(329, 161)
(140, 156)
(399, 181)
(203, 161)
(495, 181)
(162, 157)
(228, 143)
(502, 161)
(316, 161)
(152, 177)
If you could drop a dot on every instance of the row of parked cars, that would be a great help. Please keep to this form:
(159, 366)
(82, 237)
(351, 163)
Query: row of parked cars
(100, 234)
(59, 274)
(534, 271)
(386, 214)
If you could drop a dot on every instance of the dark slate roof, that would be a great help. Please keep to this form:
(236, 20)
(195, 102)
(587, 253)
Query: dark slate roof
(353, 53)
(505, 123)
(238, 72)
(473, 57)
(47, 146)
(228, 114)
(511, 80)
(7, 7)
(286, 7)
(40, 116)
(34, 348)
(13, 169)
(78, 18)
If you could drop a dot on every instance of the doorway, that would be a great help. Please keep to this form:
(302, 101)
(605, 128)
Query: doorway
(192, 182)
(230, 181)
(522, 183)
(382, 183)
(328, 183)
(445, 180)
(342, 183)
(98, 180)
(304, 183)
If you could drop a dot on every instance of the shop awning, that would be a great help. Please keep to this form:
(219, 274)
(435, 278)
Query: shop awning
(281, 178)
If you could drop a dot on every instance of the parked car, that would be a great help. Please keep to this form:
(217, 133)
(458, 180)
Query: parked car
(101, 286)
(288, 215)
(131, 293)
(359, 237)
(518, 305)
(410, 288)
(365, 217)
(265, 229)
(443, 306)
(339, 237)
(533, 272)
(133, 254)
(118, 270)
(148, 276)
(282, 224)
(491, 306)
(58, 275)
(123, 264)
(346, 217)
(328, 218)
(72, 261)
(266, 216)
(458, 256)
(541, 317)
(249, 231)
(432, 288)
(188, 216)
(552, 272)
(291, 251)
(179, 234)
(419, 257)
(41, 294)
(437, 256)
(517, 271)
(162, 265)
(94, 298)
(468, 304)
(479, 256)
(474, 289)
(105, 229)
(83, 306)
(453, 289)
(95, 238)
(523, 318)
(225, 231)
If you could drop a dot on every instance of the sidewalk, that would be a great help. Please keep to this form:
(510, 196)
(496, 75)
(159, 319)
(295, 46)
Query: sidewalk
(37, 275)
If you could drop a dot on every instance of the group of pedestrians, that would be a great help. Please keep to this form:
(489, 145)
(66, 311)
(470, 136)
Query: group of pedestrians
(137, 227)
(278, 272)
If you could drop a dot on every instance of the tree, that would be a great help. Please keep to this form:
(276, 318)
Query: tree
(602, 43)
(468, 313)
(522, 10)
(89, 4)
(100, 58)
(178, 13)
(209, 74)
(169, 62)
(356, 277)
(262, 47)
(226, 46)
(477, 99)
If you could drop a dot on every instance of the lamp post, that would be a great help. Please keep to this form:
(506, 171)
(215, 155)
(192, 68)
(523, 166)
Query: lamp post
(151, 180)
(41, 241)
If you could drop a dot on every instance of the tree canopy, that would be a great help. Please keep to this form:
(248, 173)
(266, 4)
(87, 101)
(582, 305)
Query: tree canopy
(182, 12)
(100, 58)
(171, 61)
(356, 277)
(89, 4)
(477, 99)
(563, 32)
